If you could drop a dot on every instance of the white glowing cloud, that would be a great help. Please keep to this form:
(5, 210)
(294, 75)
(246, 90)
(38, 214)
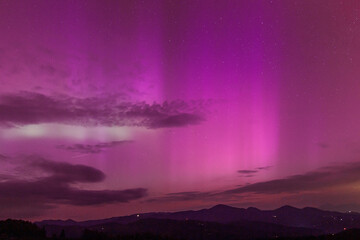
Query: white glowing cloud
(62, 131)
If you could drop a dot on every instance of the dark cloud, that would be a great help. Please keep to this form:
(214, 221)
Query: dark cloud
(247, 171)
(51, 191)
(68, 173)
(326, 177)
(251, 173)
(91, 148)
(316, 186)
(179, 120)
(34, 108)
(56, 185)
(264, 168)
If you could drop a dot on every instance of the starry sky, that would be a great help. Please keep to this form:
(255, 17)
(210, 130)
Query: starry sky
(110, 108)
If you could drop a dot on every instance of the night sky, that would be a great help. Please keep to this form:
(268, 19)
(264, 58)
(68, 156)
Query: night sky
(110, 108)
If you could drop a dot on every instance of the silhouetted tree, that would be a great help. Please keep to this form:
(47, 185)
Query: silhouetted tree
(54, 236)
(62, 234)
(20, 229)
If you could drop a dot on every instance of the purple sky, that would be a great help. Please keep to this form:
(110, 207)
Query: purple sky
(117, 107)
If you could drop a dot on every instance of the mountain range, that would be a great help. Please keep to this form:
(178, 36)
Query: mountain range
(218, 222)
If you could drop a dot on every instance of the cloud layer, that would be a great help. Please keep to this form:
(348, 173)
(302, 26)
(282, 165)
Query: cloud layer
(34, 108)
(54, 183)
(326, 177)
(318, 186)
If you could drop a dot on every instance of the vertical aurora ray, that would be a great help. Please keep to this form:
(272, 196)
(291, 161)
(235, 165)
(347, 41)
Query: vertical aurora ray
(204, 59)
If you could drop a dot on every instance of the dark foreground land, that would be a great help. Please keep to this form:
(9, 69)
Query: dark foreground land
(23, 230)
(218, 223)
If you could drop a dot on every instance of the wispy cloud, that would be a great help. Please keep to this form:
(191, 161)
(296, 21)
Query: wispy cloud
(315, 186)
(322, 178)
(264, 168)
(247, 171)
(252, 172)
(91, 148)
(34, 108)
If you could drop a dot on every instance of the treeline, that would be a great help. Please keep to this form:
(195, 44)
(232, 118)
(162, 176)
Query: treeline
(95, 235)
(24, 230)
(19, 229)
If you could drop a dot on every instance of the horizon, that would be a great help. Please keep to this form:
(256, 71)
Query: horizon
(188, 210)
(119, 107)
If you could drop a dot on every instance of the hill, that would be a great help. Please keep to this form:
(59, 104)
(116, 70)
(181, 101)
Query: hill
(310, 218)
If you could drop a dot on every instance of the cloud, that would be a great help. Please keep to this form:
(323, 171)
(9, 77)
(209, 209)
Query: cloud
(67, 173)
(319, 186)
(251, 172)
(325, 177)
(247, 171)
(264, 168)
(54, 183)
(179, 120)
(34, 108)
(91, 148)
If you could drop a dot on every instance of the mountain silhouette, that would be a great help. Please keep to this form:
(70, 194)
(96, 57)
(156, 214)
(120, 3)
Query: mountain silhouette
(239, 222)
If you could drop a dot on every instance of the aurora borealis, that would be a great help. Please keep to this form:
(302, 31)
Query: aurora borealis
(117, 107)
